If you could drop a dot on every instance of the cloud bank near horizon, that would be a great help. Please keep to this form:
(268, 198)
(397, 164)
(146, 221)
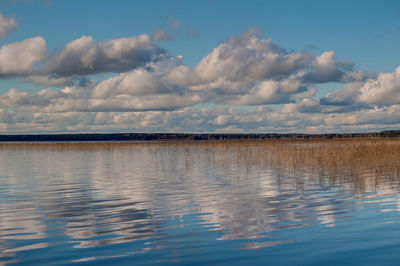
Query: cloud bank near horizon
(245, 84)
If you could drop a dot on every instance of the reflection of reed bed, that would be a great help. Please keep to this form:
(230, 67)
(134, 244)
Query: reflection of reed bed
(118, 144)
(64, 146)
(361, 163)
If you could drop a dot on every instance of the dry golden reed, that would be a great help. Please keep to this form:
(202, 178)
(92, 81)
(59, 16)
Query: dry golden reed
(362, 163)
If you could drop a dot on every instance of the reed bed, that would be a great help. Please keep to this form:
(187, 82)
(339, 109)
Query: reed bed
(360, 163)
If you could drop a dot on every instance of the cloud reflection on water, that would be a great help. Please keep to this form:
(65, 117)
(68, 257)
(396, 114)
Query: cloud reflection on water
(98, 194)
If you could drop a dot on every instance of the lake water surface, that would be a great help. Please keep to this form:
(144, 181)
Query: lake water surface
(225, 203)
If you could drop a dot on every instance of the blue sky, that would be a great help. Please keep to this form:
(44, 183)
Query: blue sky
(363, 36)
(366, 32)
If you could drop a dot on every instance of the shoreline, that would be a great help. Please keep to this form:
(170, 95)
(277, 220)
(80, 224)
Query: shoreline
(171, 137)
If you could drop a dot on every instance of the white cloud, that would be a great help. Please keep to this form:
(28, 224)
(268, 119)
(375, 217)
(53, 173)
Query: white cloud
(137, 90)
(69, 99)
(229, 129)
(325, 68)
(248, 70)
(7, 25)
(19, 58)
(14, 98)
(126, 103)
(141, 90)
(269, 92)
(193, 119)
(358, 75)
(80, 57)
(384, 89)
(248, 58)
(153, 91)
(84, 56)
(136, 82)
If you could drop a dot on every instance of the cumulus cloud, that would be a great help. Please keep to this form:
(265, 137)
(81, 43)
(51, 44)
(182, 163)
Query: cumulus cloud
(384, 90)
(30, 59)
(19, 58)
(153, 91)
(249, 70)
(327, 69)
(358, 75)
(6, 25)
(46, 100)
(269, 92)
(137, 90)
(244, 70)
(84, 56)
(124, 103)
(346, 96)
(143, 89)
(381, 89)
(192, 119)
(136, 82)
(248, 58)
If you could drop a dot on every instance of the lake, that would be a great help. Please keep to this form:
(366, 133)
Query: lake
(278, 202)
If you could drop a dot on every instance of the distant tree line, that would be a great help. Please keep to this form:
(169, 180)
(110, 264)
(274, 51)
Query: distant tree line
(192, 137)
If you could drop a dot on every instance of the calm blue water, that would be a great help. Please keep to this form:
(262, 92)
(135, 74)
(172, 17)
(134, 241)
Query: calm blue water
(188, 204)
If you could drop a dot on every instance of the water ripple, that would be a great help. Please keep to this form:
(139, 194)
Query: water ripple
(190, 202)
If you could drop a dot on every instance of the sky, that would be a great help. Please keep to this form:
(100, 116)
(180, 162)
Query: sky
(211, 66)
